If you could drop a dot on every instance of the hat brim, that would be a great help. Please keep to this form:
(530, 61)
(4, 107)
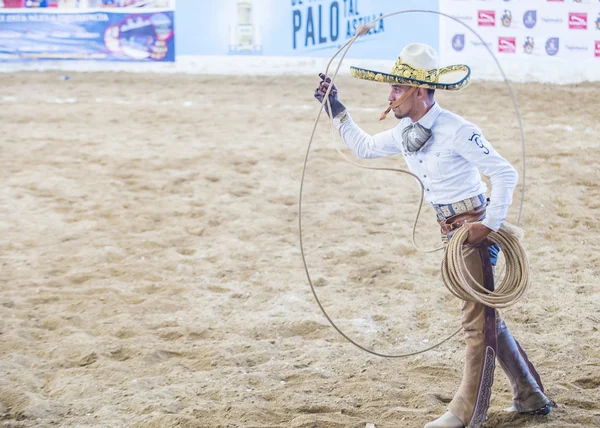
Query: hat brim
(463, 71)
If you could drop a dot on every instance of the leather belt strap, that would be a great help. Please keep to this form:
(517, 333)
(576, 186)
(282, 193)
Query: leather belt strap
(457, 221)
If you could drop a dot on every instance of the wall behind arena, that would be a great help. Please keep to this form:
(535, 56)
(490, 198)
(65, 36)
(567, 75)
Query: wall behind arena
(309, 28)
(553, 41)
(295, 36)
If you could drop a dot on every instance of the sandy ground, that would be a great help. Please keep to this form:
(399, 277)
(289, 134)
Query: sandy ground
(151, 272)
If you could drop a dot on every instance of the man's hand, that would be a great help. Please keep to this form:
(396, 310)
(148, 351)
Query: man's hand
(478, 233)
(336, 106)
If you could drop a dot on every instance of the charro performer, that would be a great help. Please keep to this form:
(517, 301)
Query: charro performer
(448, 153)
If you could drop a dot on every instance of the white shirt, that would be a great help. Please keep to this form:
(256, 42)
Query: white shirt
(449, 164)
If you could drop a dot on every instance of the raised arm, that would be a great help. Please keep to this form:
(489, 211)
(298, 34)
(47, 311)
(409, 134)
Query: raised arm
(362, 144)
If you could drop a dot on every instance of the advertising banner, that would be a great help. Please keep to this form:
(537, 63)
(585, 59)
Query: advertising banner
(86, 4)
(526, 32)
(127, 35)
(306, 28)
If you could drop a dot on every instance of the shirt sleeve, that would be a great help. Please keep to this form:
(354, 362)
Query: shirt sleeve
(472, 145)
(362, 144)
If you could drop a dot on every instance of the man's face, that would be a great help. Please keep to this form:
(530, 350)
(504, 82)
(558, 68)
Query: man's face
(404, 109)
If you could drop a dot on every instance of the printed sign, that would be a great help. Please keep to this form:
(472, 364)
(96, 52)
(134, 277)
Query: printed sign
(507, 44)
(317, 24)
(577, 21)
(458, 42)
(530, 19)
(105, 36)
(552, 46)
(486, 18)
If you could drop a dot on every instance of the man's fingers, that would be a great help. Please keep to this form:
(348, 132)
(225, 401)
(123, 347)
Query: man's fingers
(325, 78)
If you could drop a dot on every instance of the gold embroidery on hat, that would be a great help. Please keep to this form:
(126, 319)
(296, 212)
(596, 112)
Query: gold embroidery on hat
(402, 79)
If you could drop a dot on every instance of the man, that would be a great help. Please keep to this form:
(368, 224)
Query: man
(448, 153)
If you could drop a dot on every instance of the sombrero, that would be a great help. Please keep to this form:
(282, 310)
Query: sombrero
(418, 65)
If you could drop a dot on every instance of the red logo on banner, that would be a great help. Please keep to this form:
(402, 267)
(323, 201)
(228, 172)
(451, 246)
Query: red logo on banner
(486, 18)
(13, 4)
(507, 44)
(597, 49)
(577, 21)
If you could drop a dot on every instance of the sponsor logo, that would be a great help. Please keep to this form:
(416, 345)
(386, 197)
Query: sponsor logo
(552, 20)
(530, 18)
(458, 42)
(552, 46)
(506, 18)
(529, 45)
(577, 20)
(463, 17)
(486, 18)
(507, 44)
(576, 48)
(480, 43)
(597, 48)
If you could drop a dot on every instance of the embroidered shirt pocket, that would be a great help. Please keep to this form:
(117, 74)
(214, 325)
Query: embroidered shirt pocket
(442, 162)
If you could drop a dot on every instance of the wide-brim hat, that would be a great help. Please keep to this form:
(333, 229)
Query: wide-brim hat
(418, 65)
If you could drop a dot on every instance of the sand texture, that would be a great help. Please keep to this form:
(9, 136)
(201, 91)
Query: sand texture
(151, 270)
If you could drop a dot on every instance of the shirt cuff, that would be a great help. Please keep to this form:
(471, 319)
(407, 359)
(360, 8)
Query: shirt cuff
(341, 118)
(492, 223)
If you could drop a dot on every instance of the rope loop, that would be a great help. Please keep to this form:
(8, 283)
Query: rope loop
(461, 284)
(512, 287)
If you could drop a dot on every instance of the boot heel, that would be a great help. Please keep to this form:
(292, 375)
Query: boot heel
(544, 411)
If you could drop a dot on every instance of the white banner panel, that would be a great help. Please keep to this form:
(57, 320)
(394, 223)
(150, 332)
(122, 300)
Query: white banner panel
(555, 41)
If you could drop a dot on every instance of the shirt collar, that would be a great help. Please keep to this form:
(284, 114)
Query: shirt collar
(430, 117)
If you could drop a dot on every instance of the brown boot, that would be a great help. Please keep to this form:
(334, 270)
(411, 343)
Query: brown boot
(528, 391)
(471, 401)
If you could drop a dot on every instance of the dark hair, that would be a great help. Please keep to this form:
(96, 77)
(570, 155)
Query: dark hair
(430, 92)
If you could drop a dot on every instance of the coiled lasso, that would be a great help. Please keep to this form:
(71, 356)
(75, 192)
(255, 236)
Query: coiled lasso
(516, 280)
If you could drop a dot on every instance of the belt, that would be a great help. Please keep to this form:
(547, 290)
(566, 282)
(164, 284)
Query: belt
(445, 211)
(457, 221)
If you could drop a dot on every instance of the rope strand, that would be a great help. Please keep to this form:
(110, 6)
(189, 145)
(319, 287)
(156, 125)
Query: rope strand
(512, 287)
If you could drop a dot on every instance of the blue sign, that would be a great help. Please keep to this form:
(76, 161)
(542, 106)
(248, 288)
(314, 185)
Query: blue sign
(458, 42)
(98, 35)
(304, 28)
(552, 46)
(323, 25)
(530, 18)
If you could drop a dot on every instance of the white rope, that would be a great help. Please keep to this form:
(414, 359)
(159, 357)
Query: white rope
(345, 48)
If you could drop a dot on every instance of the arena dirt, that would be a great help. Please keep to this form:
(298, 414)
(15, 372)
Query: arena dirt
(151, 273)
